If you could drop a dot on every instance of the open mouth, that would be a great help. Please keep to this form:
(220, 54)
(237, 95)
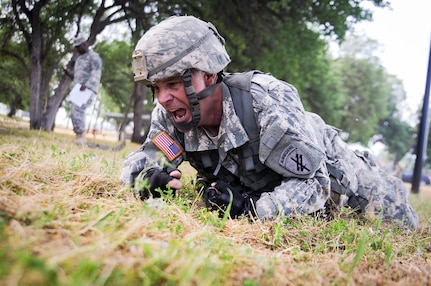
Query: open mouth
(178, 114)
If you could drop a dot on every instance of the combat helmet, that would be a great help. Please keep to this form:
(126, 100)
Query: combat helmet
(174, 47)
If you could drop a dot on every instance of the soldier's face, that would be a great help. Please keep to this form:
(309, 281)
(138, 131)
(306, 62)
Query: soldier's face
(171, 95)
(82, 48)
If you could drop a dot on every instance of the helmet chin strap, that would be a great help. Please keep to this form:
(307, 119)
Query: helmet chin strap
(194, 100)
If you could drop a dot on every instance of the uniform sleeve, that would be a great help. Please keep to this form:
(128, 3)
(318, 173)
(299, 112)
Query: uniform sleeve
(288, 143)
(95, 75)
(291, 146)
(295, 196)
(161, 147)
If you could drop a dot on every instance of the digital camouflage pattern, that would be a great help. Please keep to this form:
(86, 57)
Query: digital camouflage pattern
(286, 130)
(178, 44)
(77, 115)
(88, 71)
(79, 40)
(278, 109)
(386, 195)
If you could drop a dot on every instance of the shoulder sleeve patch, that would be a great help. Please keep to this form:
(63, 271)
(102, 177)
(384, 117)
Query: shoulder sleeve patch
(167, 145)
(295, 161)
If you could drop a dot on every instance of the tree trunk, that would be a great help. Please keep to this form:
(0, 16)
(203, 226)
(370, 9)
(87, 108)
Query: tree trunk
(13, 106)
(54, 103)
(139, 93)
(35, 81)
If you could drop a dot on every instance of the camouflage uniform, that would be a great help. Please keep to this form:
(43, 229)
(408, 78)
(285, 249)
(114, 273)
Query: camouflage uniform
(279, 111)
(296, 144)
(88, 71)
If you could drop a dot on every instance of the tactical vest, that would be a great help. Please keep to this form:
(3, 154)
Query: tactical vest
(254, 177)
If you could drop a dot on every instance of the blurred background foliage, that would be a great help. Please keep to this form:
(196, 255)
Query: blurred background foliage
(290, 39)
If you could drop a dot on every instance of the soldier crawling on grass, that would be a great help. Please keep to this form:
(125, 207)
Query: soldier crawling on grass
(247, 134)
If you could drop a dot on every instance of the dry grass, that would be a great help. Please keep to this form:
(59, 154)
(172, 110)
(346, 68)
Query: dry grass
(66, 220)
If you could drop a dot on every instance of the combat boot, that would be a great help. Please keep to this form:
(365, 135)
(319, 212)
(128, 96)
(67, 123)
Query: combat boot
(80, 139)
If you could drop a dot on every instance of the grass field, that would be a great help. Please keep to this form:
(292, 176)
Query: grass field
(65, 219)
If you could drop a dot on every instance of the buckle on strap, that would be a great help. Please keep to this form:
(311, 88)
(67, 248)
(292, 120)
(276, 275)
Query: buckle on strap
(339, 182)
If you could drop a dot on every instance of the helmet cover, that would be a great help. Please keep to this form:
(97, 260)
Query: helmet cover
(175, 45)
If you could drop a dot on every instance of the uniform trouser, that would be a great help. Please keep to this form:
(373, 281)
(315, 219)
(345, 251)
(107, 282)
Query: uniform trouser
(370, 190)
(77, 115)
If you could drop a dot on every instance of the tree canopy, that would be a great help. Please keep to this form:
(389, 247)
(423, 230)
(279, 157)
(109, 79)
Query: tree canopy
(287, 38)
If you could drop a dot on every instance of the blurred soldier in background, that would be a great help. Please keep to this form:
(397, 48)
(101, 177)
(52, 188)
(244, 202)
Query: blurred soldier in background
(86, 74)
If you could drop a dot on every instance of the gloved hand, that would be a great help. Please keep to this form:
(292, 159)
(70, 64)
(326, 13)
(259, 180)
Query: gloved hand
(218, 197)
(157, 179)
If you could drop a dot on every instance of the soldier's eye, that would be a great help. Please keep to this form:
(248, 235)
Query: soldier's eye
(174, 84)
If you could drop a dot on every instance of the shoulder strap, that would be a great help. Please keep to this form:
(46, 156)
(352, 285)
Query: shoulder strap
(242, 101)
(253, 173)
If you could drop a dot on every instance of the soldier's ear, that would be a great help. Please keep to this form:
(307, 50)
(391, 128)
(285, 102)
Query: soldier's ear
(210, 79)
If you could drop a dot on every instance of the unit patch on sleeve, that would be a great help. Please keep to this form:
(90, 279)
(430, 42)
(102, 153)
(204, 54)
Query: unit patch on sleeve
(167, 145)
(295, 161)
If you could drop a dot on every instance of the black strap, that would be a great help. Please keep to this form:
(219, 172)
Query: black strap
(194, 103)
(340, 185)
(244, 106)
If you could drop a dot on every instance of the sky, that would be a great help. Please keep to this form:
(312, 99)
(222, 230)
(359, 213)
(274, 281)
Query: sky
(404, 33)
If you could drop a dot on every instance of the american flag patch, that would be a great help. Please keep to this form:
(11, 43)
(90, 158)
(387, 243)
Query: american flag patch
(167, 145)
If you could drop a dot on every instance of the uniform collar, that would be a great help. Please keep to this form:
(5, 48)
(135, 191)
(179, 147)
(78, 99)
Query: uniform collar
(231, 133)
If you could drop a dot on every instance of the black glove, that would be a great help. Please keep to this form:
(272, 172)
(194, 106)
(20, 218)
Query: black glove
(157, 179)
(218, 198)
